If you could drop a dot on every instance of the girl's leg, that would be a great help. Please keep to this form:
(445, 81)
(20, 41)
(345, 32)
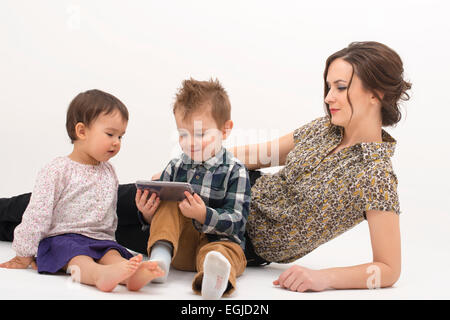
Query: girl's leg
(113, 256)
(146, 271)
(104, 277)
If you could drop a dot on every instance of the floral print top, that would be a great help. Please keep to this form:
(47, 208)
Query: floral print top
(69, 197)
(317, 196)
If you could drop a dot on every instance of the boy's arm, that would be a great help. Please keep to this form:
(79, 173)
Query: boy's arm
(230, 219)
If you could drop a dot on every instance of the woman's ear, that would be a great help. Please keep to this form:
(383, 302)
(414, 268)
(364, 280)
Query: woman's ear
(80, 131)
(377, 96)
(226, 129)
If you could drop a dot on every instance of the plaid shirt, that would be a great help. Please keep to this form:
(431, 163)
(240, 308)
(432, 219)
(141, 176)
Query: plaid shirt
(224, 185)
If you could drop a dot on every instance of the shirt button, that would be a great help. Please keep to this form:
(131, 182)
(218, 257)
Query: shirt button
(197, 177)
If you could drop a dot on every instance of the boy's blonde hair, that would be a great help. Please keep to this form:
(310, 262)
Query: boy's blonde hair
(197, 95)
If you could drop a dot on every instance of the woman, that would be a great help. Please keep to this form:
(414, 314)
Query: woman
(337, 173)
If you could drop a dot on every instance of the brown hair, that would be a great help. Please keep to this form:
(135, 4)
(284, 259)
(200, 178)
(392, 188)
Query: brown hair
(87, 106)
(194, 95)
(380, 69)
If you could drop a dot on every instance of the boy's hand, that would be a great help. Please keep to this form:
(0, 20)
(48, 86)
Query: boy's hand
(19, 263)
(146, 206)
(193, 207)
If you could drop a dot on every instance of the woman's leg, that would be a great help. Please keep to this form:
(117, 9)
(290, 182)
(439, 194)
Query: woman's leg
(129, 231)
(11, 211)
(253, 259)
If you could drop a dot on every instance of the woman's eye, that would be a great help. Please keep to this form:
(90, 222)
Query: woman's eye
(342, 88)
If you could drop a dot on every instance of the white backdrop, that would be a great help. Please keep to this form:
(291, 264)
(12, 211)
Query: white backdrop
(269, 56)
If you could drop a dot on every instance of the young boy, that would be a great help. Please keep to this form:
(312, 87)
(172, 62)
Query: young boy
(204, 232)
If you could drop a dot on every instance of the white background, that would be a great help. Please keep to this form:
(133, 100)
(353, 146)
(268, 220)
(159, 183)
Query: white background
(269, 56)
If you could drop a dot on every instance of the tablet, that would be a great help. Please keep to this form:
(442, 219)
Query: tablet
(166, 190)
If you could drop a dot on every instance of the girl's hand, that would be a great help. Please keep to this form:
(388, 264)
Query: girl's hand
(147, 206)
(193, 207)
(19, 263)
(302, 279)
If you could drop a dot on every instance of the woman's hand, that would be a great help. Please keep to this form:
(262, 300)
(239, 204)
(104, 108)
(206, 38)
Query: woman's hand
(157, 175)
(19, 263)
(301, 279)
(147, 206)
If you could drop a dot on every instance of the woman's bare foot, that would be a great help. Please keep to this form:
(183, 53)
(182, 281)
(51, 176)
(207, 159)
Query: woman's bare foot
(146, 272)
(111, 275)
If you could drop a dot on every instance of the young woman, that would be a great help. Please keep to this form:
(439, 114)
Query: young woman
(337, 173)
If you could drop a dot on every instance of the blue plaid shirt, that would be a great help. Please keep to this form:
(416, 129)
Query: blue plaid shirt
(224, 185)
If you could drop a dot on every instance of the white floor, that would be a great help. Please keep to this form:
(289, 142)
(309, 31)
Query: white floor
(426, 266)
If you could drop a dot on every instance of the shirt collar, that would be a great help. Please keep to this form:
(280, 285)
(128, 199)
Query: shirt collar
(214, 161)
(372, 150)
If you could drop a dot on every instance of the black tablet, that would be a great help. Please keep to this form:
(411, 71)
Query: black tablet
(166, 190)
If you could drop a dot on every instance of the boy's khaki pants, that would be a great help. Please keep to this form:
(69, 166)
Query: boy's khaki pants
(190, 246)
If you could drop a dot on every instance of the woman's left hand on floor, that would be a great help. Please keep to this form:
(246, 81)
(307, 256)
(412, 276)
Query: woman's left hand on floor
(302, 279)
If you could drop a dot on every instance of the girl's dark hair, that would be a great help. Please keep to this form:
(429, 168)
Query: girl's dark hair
(87, 106)
(380, 70)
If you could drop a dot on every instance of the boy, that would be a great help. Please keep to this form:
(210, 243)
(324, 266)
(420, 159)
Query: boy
(204, 232)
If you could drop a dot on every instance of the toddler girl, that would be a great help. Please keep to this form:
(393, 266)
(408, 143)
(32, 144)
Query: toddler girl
(70, 222)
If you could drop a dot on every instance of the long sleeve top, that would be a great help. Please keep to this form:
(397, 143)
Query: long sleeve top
(69, 197)
(224, 186)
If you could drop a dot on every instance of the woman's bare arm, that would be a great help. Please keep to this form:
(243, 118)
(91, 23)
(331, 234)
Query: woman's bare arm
(384, 271)
(266, 154)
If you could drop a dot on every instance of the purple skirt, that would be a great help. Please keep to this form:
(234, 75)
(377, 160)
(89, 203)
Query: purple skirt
(55, 252)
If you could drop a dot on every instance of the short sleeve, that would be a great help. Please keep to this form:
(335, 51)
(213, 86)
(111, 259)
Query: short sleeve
(380, 191)
(310, 129)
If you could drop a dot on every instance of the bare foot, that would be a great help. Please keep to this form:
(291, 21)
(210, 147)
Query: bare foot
(112, 274)
(146, 272)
